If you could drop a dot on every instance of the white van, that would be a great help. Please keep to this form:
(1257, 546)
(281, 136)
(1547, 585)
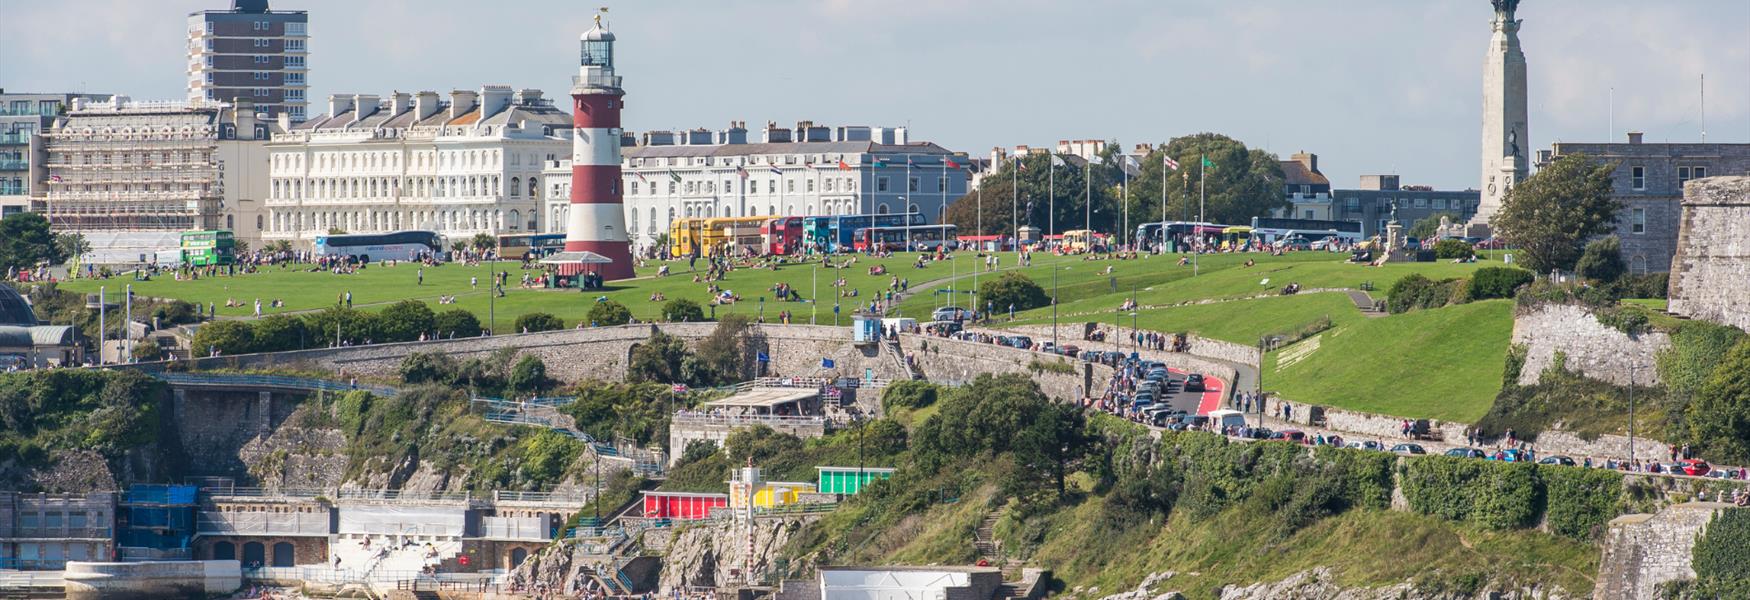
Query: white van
(1223, 418)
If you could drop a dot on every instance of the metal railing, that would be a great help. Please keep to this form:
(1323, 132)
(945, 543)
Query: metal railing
(707, 419)
(14, 165)
(403, 495)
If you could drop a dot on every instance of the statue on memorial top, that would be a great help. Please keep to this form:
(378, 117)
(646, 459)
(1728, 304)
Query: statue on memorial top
(1505, 6)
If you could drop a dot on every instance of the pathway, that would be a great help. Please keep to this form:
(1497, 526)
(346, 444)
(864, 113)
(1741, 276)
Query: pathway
(1365, 304)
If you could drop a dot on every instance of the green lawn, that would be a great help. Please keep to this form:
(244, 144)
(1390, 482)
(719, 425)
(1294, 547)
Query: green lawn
(1444, 363)
(1239, 321)
(376, 287)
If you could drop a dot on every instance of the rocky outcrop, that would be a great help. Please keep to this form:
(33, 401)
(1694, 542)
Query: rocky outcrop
(76, 471)
(1587, 346)
(714, 553)
(1319, 584)
(294, 456)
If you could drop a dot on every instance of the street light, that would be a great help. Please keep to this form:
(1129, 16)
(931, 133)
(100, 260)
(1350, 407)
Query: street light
(1054, 289)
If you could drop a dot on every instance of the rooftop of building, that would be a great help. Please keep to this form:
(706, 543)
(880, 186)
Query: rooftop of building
(248, 7)
(521, 108)
(13, 309)
(714, 150)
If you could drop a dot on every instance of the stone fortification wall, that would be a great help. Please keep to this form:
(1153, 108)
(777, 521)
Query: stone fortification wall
(1071, 333)
(1642, 551)
(956, 362)
(593, 353)
(1710, 276)
(1550, 442)
(1590, 348)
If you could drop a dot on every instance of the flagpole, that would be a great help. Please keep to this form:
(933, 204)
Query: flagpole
(906, 210)
(1051, 202)
(1162, 249)
(1202, 195)
(1088, 199)
(1014, 202)
(1124, 190)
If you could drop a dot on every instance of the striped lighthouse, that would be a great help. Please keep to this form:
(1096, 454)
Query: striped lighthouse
(598, 213)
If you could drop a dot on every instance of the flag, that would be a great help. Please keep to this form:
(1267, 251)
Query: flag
(775, 170)
(1207, 164)
(1096, 160)
(741, 171)
(826, 363)
(673, 176)
(809, 164)
(1169, 162)
(55, 178)
(843, 166)
(908, 161)
(949, 163)
(1020, 162)
(679, 388)
(640, 175)
(880, 163)
(1055, 161)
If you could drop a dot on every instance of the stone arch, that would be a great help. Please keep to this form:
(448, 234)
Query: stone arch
(284, 555)
(1638, 264)
(224, 551)
(517, 556)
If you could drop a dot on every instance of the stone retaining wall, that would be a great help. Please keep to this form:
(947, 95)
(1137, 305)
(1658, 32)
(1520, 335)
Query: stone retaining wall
(1550, 442)
(958, 362)
(1590, 348)
(1642, 551)
(1071, 333)
(1711, 272)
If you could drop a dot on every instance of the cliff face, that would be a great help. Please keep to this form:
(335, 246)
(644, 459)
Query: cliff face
(1319, 584)
(715, 554)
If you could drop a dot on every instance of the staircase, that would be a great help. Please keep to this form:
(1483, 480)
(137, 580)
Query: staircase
(984, 539)
(1006, 591)
(898, 353)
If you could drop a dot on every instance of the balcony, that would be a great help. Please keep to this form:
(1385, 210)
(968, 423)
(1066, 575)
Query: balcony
(14, 138)
(7, 190)
(14, 165)
(7, 111)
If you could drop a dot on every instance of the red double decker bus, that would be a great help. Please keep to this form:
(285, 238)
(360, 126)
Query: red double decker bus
(783, 236)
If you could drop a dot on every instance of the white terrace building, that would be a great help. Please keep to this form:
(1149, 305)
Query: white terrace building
(411, 161)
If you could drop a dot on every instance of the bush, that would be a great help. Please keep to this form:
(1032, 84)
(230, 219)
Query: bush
(148, 351)
(224, 337)
(1581, 501)
(1626, 320)
(1416, 291)
(1013, 289)
(657, 360)
(1450, 248)
(908, 394)
(278, 333)
(538, 321)
(608, 313)
(1722, 553)
(682, 310)
(428, 367)
(1646, 285)
(1491, 494)
(1602, 260)
(1718, 417)
(174, 312)
(1696, 348)
(354, 327)
(404, 321)
(1498, 282)
(528, 376)
(456, 323)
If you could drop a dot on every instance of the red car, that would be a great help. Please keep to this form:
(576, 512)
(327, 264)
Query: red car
(1298, 437)
(1694, 466)
(1493, 243)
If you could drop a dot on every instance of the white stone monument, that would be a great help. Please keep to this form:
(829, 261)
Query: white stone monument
(1506, 126)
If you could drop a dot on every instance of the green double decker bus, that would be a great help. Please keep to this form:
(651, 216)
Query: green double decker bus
(203, 248)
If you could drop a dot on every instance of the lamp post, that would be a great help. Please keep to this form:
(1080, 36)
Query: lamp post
(814, 293)
(1054, 306)
(1631, 414)
(1135, 335)
(102, 330)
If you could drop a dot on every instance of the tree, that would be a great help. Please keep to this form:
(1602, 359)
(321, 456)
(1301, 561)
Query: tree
(456, 322)
(1498, 282)
(682, 310)
(1719, 417)
(352, 327)
(1034, 201)
(428, 367)
(1551, 213)
(224, 337)
(336, 231)
(1013, 289)
(71, 245)
(483, 242)
(25, 241)
(1242, 183)
(1451, 248)
(529, 375)
(405, 321)
(1602, 261)
(724, 352)
(608, 313)
(657, 360)
(278, 333)
(147, 351)
(1006, 414)
(538, 321)
(1426, 227)
(759, 443)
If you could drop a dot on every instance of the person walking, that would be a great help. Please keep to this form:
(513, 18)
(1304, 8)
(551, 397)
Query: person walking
(420, 276)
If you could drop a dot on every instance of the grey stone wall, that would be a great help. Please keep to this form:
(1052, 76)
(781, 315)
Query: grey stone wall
(1642, 551)
(1710, 277)
(1590, 348)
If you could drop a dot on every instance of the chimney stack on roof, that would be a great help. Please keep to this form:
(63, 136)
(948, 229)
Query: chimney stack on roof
(461, 102)
(425, 104)
(338, 104)
(493, 100)
(1634, 137)
(365, 105)
(398, 103)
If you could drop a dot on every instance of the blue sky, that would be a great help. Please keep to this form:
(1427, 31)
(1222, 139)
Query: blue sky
(1372, 86)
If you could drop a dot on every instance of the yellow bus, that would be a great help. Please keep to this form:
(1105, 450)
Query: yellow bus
(727, 235)
(684, 237)
(1235, 237)
(1081, 240)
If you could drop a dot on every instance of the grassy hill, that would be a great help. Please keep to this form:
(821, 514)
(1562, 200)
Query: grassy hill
(1444, 363)
(1239, 321)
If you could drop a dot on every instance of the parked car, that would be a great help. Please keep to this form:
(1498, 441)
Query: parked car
(1019, 341)
(1290, 435)
(1558, 460)
(1194, 382)
(1493, 243)
(1467, 453)
(1411, 243)
(1368, 445)
(1510, 455)
(1260, 433)
(1409, 449)
(951, 313)
(1693, 466)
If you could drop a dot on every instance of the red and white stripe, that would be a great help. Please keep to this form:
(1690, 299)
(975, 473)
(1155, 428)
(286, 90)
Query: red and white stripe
(598, 214)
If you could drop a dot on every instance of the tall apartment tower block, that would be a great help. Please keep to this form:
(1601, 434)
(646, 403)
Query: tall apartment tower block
(250, 52)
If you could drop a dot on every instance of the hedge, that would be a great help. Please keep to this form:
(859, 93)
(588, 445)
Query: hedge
(1581, 501)
(1491, 494)
(1722, 554)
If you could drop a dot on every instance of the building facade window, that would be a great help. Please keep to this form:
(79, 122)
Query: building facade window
(1638, 178)
(1638, 220)
(912, 186)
